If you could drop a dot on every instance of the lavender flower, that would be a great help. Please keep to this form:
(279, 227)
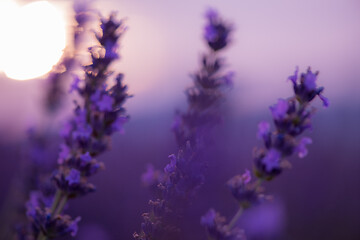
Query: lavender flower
(86, 135)
(291, 117)
(184, 175)
(243, 191)
(306, 90)
(216, 31)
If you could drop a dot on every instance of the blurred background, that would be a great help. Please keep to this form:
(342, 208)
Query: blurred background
(316, 199)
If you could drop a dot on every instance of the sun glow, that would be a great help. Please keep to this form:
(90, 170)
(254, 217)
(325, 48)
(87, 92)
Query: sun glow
(32, 40)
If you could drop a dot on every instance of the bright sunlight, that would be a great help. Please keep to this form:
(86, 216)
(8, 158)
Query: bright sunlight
(33, 38)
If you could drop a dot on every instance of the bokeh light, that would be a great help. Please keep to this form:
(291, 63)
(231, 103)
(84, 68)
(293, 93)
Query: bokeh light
(33, 38)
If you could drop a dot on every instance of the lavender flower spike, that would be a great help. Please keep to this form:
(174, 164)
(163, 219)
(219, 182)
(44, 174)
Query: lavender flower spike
(291, 117)
(216, 31)
(185, 173)
(86, 135)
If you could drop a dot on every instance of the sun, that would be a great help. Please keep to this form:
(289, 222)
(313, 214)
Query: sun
(32, 40)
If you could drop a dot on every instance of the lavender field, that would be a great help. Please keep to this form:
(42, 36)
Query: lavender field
(164, 120)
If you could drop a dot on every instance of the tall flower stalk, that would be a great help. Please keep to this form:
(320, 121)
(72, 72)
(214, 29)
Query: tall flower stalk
(97, 115)
(184, 175)
(291, 118)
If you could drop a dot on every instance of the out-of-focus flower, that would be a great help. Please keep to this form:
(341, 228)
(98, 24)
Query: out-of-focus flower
(280, 109)
(216, 31)
(301, 147)
(185, 173)
(243, 191)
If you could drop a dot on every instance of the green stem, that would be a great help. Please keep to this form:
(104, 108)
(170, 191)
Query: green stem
(54, 210)
(236, 217)
(61, 206)
(56, 201)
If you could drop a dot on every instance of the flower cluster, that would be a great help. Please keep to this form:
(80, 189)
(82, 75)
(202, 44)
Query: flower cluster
(291, 117)
(216, 31)
(184, 175)
(85, 136)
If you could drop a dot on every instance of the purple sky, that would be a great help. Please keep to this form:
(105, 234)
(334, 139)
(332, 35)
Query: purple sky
(163, 45)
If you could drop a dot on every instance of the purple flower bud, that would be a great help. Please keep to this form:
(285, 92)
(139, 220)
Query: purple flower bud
(111, 51)
(96, 96)
(280, 109)
(73, 227)
(33, 204)
(208, 220)
(85, 158)
(246, 177)
(73, 177)
(307, 90)
(211, 14)
(309, 80)
(301, 147)
(105, 103)
(216, 31)
(294, 77)
(169, 168)
(242, 190)
(83, 131)
(264, 133)
(64, 153)
(272, 160)
(325, 100)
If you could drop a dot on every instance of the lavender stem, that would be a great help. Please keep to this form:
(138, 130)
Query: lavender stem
(236, 217)
(56, 201)
(61, 205)
(53, 212)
